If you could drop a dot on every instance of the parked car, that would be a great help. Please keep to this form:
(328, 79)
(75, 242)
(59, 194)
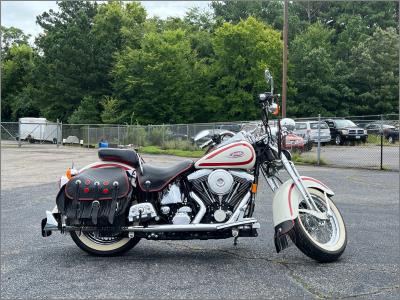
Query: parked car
(344, 131)
(293, 142)
(390, 132)
(308, 130)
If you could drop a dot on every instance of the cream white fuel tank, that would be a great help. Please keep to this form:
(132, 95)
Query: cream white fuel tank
(237, 155)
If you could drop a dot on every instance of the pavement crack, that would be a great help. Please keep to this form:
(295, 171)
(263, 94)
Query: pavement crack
(237, 255)
(383, 289)
(304, 284)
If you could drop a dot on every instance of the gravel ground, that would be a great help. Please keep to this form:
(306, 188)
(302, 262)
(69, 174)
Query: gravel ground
(35, 267)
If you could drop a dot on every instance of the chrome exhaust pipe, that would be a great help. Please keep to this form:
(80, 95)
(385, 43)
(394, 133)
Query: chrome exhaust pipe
(164, 228)
(190, 227)
(202, 210)
(51, 222)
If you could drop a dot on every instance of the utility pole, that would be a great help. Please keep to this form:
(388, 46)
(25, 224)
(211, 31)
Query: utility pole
(285, 60)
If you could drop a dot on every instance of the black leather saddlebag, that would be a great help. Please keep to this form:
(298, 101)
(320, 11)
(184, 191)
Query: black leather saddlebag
(97, 195)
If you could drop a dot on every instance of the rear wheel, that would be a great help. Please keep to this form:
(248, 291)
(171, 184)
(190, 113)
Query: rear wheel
(93, 244)
(322, 240)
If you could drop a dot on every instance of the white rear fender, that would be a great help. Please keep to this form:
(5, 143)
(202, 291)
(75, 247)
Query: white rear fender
(286, 201)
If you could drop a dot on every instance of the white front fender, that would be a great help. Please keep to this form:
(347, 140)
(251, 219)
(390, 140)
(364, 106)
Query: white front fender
(285, 207)
(286, 200)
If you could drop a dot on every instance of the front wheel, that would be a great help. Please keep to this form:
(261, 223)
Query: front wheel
(338, 140)
(322, 240)
(103, 246)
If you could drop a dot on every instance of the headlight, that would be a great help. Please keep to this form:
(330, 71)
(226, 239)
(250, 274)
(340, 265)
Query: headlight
(345, 132)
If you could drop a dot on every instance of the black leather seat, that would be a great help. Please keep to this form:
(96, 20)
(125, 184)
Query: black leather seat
(126, 156)
(159, 177)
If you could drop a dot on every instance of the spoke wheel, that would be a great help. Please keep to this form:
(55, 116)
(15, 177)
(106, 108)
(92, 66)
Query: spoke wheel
(322, 240)
(324, 232)
(95, 244)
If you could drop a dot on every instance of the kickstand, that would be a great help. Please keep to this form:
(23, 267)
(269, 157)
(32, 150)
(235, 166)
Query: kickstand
(235, 234)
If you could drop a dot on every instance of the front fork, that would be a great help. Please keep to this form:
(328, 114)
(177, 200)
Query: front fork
(294, 174)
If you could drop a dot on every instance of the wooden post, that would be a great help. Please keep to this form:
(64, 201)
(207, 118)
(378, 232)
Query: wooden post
(285, 59)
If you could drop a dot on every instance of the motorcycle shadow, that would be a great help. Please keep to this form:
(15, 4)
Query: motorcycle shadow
(162, 252)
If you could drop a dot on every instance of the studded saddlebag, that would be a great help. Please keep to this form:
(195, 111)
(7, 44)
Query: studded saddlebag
(99, 195)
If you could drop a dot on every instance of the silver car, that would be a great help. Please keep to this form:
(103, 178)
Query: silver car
(308, 130)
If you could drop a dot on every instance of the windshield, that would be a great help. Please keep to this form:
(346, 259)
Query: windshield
(344, 123)
(315, 125)
(240, 136)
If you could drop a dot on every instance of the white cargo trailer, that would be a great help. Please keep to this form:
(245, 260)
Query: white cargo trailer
(39, 129)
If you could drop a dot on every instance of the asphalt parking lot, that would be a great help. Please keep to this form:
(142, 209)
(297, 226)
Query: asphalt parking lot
(360, 156)
(53, 267)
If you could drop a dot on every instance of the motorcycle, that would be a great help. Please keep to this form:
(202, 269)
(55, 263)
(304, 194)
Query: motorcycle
(108, 206)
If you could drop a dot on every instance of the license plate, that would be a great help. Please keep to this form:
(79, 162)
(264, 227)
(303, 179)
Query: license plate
(357, 136)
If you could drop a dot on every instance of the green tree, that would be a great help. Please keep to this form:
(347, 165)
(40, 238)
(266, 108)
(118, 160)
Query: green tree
(88, 112)
(242, 53)
(116, 26)
(157, 80)
(111, 113)
(374, 74)
(313, 73)
(16, 83)
(68, 69)
(11, 36)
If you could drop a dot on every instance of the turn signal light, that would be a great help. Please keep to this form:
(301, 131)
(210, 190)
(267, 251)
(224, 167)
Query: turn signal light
(276, 112)
(68, 173)
(254, 188)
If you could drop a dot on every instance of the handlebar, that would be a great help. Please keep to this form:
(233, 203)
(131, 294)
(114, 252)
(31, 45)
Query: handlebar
(206, 144)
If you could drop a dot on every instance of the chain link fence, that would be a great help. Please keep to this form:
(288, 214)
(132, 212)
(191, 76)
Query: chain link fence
(31, 131)
(90, 135)
(376, 148)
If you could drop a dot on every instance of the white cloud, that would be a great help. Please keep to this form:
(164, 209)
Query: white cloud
(22, 14)
(164, 9)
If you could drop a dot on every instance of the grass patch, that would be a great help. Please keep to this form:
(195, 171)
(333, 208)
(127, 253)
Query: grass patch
(376, 140)
(175, 152)
(307, 160)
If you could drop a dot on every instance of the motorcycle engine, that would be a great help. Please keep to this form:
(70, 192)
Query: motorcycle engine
(173, 206)
(220, 190)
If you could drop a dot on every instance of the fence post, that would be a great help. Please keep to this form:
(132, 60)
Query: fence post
(88, 136)
(187, 131)
(58, 136)
(319, 140)
(381, 142)
(118, 136)
(163, 137)
(19, 133)
(40, 133)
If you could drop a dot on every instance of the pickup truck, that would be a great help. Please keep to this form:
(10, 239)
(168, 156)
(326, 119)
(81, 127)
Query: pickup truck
(344, 131)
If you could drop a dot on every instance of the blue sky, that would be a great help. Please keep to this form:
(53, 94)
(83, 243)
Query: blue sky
(22, 14)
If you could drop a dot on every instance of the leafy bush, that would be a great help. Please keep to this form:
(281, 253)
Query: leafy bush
(157, 135)
(137, 136)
